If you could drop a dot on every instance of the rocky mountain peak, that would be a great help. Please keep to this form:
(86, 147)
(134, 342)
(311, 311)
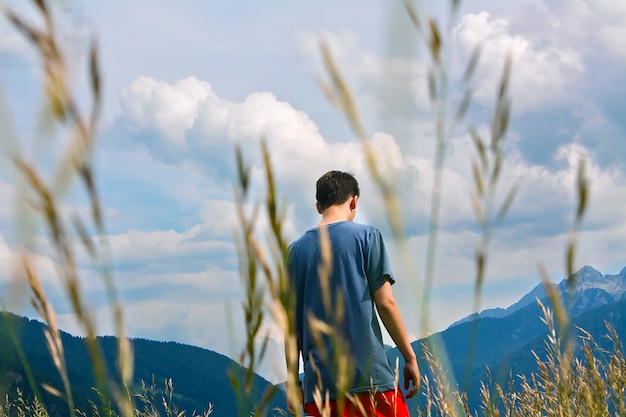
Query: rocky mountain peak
(590, 289)
(588, 274)
(587, 278)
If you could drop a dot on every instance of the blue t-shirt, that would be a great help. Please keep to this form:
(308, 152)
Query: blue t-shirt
(359, 267)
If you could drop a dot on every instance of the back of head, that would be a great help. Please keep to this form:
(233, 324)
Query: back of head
(335, 187)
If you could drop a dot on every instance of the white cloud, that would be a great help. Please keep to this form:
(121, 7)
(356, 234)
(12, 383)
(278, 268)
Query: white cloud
(139, 245)
(542, 75)
(387, 89)
(220, 218)
(198, 119)
(597, 27)
(298, 151)
(15, 289)
(169, 109)
(537, 228)
(613, 38)
(300, 154)
(214, 325)
(555, 194)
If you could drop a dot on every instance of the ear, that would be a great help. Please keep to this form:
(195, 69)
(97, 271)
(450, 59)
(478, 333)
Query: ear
(353, 201)
(318, 207)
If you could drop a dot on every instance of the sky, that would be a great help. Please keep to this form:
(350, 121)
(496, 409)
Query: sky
(184, 82)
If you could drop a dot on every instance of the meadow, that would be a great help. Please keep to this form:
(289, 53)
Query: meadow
(578, 377)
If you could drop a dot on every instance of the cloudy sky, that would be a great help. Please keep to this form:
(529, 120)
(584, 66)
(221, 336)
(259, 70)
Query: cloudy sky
(186, 81)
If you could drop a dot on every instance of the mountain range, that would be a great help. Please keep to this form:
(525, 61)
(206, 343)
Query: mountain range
(589, 289)
(504, 340)
(501, 339)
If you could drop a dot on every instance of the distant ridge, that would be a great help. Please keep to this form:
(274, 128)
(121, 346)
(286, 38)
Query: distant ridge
(505, 344)
(199, 376)
(591, 289)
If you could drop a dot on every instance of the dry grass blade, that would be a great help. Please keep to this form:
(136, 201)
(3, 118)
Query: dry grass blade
(270, 199)
(501, 115)
(582, 192)
(342, 94)
(486, 171)
(435, 41)
(54, 69)
(415, 19)
(86, 174)
(464, 105)
(570, 255)
(506, 76)
(52, 390)
(480, 147)
(480, 259)
(95, 78)
(508, 202)
(470, 69)
(252, 259)
(555, 298)
(332, 349)
(477, 206)
(456, 4)
(442, 398)
(432, 87)
(52, 332)
(74, 163)
(80, 228)
(467, 78)
(478, 179)
(34, 35)
(582, 186)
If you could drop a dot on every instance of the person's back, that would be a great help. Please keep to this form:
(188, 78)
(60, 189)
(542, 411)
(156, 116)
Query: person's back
(357, 252)
(357, 281)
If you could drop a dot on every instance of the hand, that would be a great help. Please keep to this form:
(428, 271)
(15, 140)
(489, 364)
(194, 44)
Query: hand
(411, 375)
(291, 407)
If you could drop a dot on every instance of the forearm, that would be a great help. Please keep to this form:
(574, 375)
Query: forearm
(390, 316)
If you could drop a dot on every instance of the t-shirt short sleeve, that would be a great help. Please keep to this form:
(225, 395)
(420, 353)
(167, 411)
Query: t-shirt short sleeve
(378, 266)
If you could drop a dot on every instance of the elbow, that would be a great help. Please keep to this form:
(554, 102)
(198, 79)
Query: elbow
(386, 304)
(383, 297)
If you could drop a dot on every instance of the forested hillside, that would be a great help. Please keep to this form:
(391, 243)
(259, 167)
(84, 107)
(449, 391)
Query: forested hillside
(199, 376)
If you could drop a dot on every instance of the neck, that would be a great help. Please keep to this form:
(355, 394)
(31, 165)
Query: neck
(335, 214)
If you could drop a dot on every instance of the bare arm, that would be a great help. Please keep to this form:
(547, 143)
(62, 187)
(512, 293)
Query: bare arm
(390, 316)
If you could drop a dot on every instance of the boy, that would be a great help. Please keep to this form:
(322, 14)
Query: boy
(360, 279)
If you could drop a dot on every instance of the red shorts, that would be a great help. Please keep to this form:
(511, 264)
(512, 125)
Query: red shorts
(382, 404)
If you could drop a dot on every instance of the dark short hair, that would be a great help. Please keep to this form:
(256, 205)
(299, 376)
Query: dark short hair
(335, 187)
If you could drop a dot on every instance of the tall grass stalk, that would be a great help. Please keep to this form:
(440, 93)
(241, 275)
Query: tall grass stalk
(487, 168)
(253, 261)
(267, 256)
(42, 195)
(339, 94)
(588, 384)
